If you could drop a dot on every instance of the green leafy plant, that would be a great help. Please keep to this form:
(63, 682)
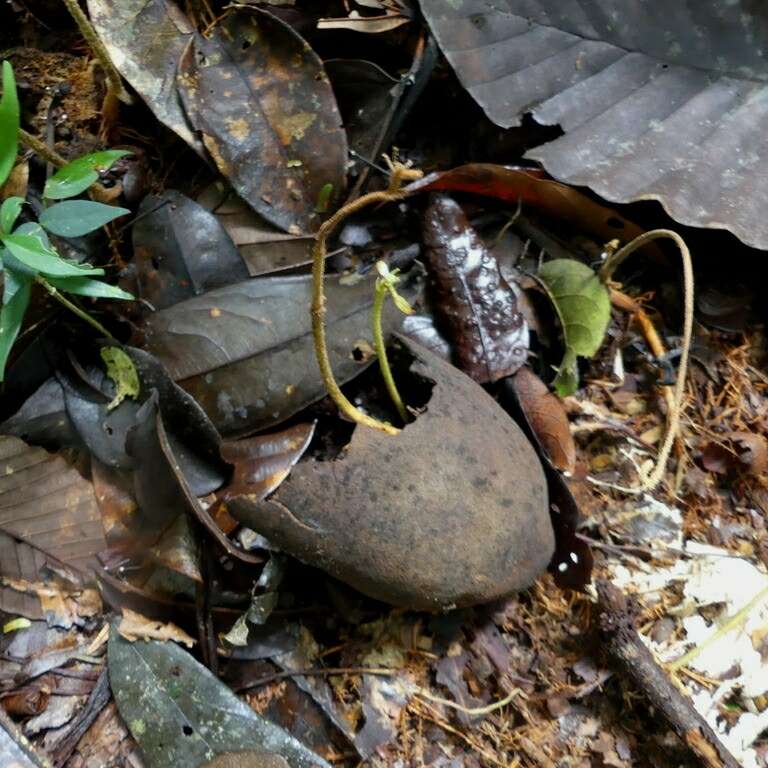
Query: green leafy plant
(584, 308)
(26, 253)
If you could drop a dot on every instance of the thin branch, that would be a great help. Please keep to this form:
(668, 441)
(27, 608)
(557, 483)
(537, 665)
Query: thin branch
(114, 80)
(41, 148)
(626, 648)
(72, 307)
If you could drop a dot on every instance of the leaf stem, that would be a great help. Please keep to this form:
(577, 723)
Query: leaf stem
(72, 307)
(41, 148)
(114, 80)
(395, 192)
(673, 415)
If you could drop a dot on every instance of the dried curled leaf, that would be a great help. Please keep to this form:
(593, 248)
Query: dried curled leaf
(134, 626)
(476, 304)
(548, 419)
(584, 309)
(745, 451)
(262, 462)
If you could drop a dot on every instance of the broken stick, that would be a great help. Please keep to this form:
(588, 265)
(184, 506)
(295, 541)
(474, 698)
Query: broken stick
(626, 647)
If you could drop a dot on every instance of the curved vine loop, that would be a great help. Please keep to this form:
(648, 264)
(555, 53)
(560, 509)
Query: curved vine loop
(399, 173)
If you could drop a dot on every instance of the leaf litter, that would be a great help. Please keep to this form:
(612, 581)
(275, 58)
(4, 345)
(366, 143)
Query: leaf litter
(226, 450)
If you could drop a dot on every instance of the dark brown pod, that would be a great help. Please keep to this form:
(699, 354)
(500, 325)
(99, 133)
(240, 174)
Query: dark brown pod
(451, 512)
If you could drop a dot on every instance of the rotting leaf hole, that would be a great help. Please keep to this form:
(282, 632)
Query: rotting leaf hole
(368, 392)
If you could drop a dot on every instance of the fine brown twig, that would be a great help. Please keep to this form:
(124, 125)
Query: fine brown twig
(627, 650)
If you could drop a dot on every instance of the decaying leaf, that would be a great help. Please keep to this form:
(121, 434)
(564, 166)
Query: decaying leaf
(242, 351)
(277, 146)
(60, 606)
(180, 714)
(134, 626)
(548, 419)
(47, 503)
(263, 247)
(368, 97)
(180, 494)
(584, 309)
(263, 462)
(22, 563)
(662, 103)
(181, 250)
(262, 604)
(145, 40)
(746, 451)
(477, 305)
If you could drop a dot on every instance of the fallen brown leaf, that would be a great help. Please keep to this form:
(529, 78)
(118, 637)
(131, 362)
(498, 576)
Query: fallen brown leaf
(134, 626)
(548, 419)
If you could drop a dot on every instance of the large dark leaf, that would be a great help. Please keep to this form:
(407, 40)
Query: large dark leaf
(267, 114)
(476, 304)
(263, 247)
(87, 395)
(145, 40)
(181, 250)
(662, 101)
(180, 714)
(46, 502)
(245, 352)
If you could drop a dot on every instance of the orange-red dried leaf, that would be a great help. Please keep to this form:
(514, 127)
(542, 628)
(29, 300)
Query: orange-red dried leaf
(547, 418)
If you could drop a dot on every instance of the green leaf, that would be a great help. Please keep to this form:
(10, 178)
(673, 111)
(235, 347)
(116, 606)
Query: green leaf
(78, 217)
(15, 303)
(122, 371)
(33, 253)
(9, 212)
(13, 279)
(180, 714)
(85, 286)
(9, 123)
(34, 229)
(584, 309)
(77, 176)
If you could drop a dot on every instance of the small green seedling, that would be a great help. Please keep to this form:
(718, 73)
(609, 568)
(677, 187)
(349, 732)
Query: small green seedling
(385, 284)
(26, 253)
